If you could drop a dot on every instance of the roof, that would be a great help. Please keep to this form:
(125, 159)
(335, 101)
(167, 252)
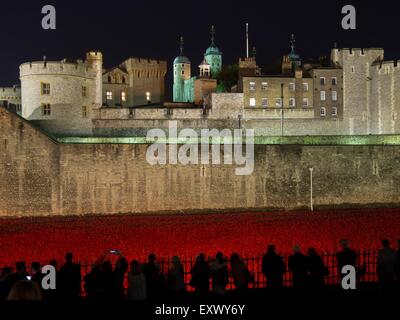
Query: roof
(181, 59)
(123, 70)
(204, 63)
(213, 50)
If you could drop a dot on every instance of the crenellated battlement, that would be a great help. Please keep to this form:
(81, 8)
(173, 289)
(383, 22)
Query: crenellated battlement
(360, 52)
(77, 68)
(145, 64)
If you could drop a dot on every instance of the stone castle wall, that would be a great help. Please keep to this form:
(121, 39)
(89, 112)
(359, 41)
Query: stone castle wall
(39, 176)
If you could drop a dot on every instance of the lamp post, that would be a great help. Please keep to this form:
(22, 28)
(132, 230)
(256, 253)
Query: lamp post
(311, 189)
(282, 115)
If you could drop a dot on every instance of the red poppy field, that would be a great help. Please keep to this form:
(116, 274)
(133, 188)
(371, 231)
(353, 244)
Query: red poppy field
(186, 235)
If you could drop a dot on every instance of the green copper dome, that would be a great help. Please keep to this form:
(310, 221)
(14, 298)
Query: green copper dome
(181, 59)
(213, 50)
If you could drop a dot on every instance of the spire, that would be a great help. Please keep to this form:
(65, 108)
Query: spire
(247, 40)
(292, 43)
(212, 32)
(181, 45)
(254, 52)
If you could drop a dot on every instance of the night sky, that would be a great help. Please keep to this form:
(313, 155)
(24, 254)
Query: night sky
(144, 28)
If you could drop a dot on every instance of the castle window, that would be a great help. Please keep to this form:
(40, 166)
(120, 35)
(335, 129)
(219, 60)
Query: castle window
(84, 91)
(278, 102)
(123, 80)
(252, 86)
(323, 112)
(334, 95)
(84, 112)
(322, 81)
(353, 70)
(264, 102)
(334, 81)
(45, 88)
(292, 87)
(305, 102)
(109, 79)
(46, 109)
(123, 96)
(252, 102)
(109, 95)
(292, 102)
(183, 72)
(323, 95)
(334, 111)
(264, 86)
(305, 86)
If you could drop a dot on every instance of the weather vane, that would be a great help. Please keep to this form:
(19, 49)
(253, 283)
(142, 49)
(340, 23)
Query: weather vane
(292, 42)
(181, 44)
(212, 32)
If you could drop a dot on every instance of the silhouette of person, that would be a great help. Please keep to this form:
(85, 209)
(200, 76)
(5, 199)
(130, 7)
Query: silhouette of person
(37, 275)
(298, 264)
(398, 263)
(121, 267)
(3, 283)
(136, 283)
(106, 283)
(92, 281)
(200, 280)
(70, 279)
(175, 277)
(154, 280)
(345, 256)
(316, 270)
(240, 273)
(273, 267)
(386, 266)
(219, 275)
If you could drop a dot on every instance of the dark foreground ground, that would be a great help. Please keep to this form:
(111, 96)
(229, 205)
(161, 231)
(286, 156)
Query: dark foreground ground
(287, 303)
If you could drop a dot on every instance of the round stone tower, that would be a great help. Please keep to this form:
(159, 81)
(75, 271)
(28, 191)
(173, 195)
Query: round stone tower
(53, 89)
(182, 72)
(213, 55)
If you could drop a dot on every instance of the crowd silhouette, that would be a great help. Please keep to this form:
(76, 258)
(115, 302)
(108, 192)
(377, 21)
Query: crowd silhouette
(140, 282)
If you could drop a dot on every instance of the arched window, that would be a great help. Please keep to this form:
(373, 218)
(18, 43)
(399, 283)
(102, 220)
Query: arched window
(109, 79)
(123, 80)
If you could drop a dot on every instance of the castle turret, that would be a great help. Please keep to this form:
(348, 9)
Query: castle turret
(213, 55)
(94, 59)
(204, 69)
(182, 72)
